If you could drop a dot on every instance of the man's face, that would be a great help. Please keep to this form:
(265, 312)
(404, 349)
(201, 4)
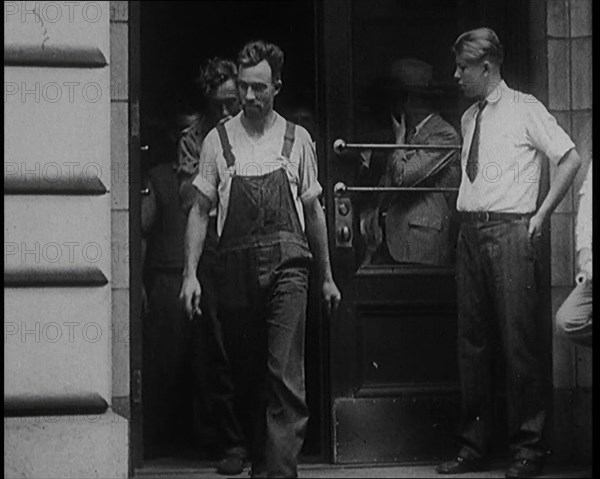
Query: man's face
(224, 102)
(257, 90)
(470, 77)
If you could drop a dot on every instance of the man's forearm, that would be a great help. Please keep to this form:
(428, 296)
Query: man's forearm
(195, 232)
(316, 232)
(565, 173)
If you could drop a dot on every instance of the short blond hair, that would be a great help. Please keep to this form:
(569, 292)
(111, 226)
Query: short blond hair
(479, 45)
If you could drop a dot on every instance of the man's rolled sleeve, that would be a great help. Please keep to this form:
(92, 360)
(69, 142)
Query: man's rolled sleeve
(309, 187)
(207, 179)
(546, 134)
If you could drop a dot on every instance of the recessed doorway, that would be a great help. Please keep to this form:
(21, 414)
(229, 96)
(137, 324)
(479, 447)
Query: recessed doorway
(175, 39)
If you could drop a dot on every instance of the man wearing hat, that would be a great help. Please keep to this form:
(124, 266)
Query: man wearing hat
(416, 224)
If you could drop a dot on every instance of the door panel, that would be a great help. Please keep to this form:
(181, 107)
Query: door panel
(392, 429)
(394, 378)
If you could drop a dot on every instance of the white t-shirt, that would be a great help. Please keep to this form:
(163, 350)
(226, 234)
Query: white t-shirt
(256, 157)
(516, 131)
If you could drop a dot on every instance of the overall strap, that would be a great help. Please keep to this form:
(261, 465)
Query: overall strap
(288, 139)
(227, 153)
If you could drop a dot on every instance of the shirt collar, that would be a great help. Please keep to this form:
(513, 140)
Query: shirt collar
(497, 92)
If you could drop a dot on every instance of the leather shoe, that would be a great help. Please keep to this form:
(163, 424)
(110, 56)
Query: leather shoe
(231, 465)
(462, 465)
(525, 468)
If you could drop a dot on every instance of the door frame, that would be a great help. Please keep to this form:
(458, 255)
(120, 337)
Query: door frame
(136, 444)
(333, 37)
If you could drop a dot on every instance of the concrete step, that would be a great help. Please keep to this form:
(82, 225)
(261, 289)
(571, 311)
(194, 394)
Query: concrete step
(178, 469)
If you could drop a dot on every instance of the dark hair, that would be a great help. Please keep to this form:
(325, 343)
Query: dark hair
(479, 45)
(216, 72)
(256, 51)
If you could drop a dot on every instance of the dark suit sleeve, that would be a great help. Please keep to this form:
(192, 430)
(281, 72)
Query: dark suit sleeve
(411, 167)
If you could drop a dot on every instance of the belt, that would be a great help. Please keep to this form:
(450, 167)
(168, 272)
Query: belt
(166, 269)
(484, 216)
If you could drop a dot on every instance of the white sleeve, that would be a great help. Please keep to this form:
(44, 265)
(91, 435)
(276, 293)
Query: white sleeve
(545, 133)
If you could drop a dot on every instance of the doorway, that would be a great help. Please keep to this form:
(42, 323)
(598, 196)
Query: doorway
(175, 39)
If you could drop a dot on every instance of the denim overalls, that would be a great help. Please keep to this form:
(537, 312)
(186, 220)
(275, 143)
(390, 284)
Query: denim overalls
(263, 281)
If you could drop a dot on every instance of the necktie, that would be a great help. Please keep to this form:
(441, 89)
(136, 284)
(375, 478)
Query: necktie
(410, 135)
(473, 158)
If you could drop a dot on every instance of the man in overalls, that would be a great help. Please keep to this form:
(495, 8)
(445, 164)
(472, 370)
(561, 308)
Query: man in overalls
(261, 172)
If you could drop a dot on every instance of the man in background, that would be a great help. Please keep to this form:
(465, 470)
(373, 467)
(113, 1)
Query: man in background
(574, 318)
(168, 373)
(220, 101)
(187, 359)
(416, 224)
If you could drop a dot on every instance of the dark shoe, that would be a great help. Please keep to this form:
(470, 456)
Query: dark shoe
(232, 465)
(525, 468)
(462, 465)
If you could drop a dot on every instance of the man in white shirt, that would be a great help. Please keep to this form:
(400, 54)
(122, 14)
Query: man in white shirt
(507, 135)
(574, 318)
(261, 173)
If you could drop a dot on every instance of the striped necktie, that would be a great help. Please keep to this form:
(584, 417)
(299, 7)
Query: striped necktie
(473, 158)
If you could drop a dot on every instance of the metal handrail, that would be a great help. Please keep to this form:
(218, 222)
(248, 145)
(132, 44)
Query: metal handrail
(341, 188)
(339, 146)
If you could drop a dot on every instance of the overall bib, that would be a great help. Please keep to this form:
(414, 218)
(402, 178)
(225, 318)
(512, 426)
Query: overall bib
(263, 281)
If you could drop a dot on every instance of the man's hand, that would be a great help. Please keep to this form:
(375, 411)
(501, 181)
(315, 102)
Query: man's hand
(331, 296)
(190, 296)
(584, 263)
(399, 129)
(535, 226)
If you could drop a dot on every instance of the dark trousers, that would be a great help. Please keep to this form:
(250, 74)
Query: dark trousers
(215, 388)
(188, 388)
(264, 339)
(497, 290)
(168, 375)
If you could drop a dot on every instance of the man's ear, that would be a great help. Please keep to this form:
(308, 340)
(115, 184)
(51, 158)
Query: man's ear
(278, 85)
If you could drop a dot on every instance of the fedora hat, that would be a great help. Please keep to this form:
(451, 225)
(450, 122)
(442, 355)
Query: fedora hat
(412, 75)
